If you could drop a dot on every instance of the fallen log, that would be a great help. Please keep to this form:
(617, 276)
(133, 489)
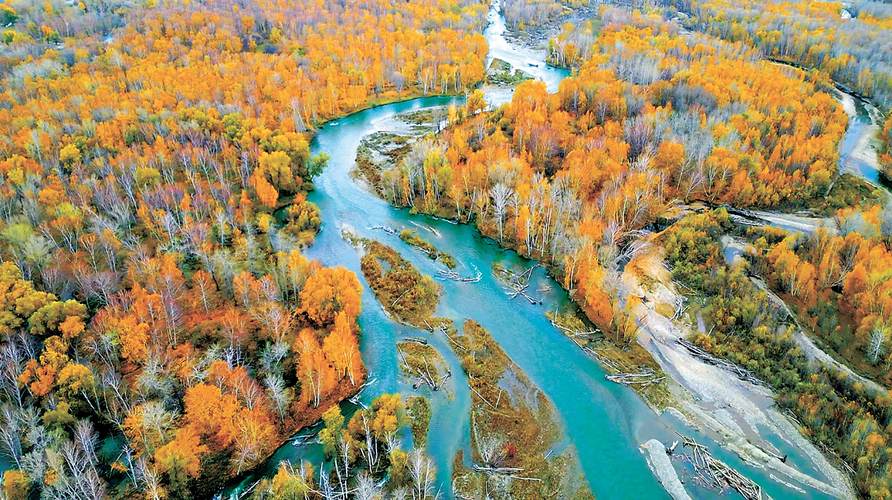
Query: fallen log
(575, 333)
(717, 474)
(644, 378)
(423, 374)
(497, 470)
(612, 365)
(452, 340)
(446, 274)
(355, 400)
(386, 229)
(741, 373)
(481, 395)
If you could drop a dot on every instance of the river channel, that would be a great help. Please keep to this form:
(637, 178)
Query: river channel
(605, 422)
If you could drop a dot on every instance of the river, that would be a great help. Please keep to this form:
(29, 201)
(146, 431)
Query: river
(605, 422)
(858, 148)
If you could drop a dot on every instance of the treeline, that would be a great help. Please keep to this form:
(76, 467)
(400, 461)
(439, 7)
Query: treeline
(746, 327)
(525, 15)
(521, 15)
(652, 116)
(574, 44)
(288, 66)
(160, 329)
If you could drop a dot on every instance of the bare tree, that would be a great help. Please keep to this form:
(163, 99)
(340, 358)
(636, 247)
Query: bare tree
(423, 473)
(11, 364)
(501, 194)
(371, 448)
(11, 434)
(280, 395)
(76, 465)
(366, 489)
(877, 345)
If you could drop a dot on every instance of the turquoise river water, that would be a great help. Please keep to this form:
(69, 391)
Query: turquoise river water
(605, 422)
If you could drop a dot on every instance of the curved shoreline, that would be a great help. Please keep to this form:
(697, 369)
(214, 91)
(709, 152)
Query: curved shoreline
(720, 419)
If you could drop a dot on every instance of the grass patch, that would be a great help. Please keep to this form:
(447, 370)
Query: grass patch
(418, 408)
(412, 238)
(513, 430)
(424, 120)
(404, 292)
(848, 191)
(422, 363)
(500, 73)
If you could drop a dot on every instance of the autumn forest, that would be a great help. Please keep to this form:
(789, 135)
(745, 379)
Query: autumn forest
(445, 249)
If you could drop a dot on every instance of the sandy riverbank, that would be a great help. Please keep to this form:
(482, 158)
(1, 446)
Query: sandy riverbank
(736, 413)
(661, 466)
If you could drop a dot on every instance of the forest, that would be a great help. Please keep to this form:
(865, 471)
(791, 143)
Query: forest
(747, 327)
(653, 120)
(848, 43)
(164, 329)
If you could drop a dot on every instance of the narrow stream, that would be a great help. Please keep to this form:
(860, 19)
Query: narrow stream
(605, 422)
(858, 148)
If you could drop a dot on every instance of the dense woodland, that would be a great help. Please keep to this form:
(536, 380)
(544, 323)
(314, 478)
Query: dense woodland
(162, 331)
(744, 325)
(847, 42)
(522, 15)
(840, 284)
(652, 120)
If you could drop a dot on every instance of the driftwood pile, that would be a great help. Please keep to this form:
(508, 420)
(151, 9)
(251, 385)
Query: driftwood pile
(517, 283)
(714, 473)
(426, 227)
(447, 274)
(445, 332)
(742, 373)
(510, 472)
(386, 229)
(355, 399)
(573, 333)
(644, 378)
(605, 361)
